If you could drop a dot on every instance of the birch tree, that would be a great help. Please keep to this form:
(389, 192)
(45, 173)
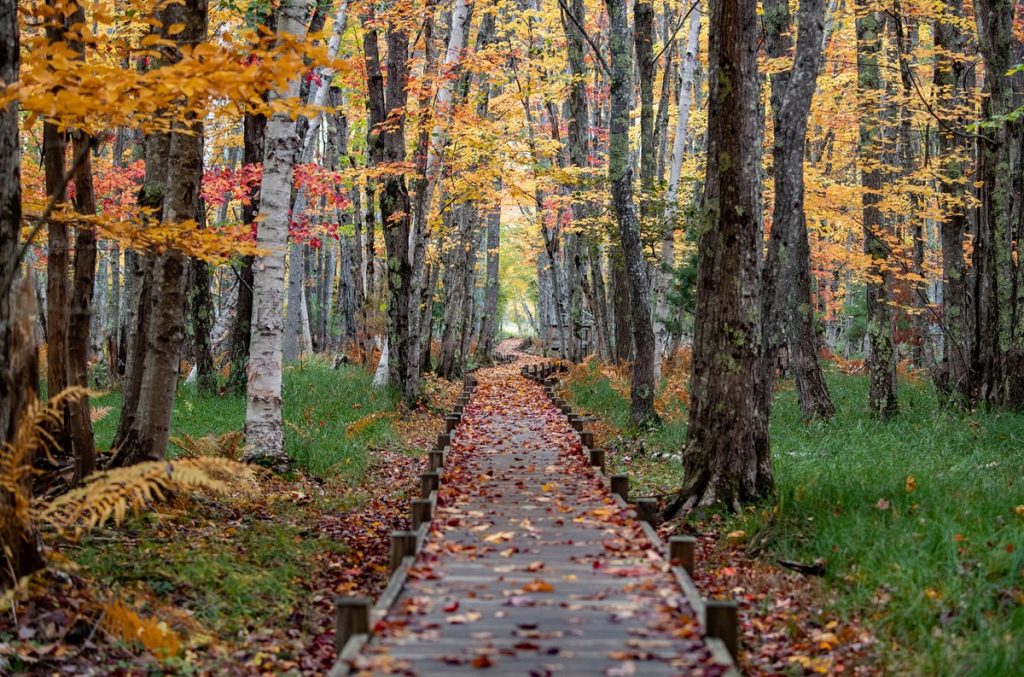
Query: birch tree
(264, 434)
(687, 68)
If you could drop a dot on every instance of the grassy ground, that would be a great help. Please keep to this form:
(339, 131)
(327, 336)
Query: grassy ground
(331, 417)
(920, 519)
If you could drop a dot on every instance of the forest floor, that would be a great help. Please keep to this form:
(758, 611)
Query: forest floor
(240, 584)
(916, 526)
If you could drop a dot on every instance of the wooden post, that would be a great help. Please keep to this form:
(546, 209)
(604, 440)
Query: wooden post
(682, 551)
(587, 438)
(458, 409)
(443, 440)
(351, 617)
(597, 458)
(429, 481)
(566, 409)
(576, 421)
(422, 511)
(620, 486)
(450, 421)
(403, 544)
(647, 510)
(723, 623)
(435, 460)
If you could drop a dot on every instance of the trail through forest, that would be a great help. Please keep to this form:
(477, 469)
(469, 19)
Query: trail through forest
(530, 566)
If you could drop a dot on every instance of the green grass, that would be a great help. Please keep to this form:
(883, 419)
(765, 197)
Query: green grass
(935, 566)
(235, 583)
(320, 403)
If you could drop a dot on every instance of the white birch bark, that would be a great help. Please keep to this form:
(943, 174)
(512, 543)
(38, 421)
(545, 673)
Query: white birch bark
(319, 97)
(380, 377)
(687, 67)
(264, 433)
(439, 134)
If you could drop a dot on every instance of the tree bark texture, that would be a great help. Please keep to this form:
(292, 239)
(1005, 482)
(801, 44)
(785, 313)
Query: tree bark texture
(726, 459)
(881, 360)
(264, 432)
(787, 310)
(642, 386)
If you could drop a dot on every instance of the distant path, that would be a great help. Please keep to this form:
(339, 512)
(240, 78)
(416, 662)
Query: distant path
(530, 568)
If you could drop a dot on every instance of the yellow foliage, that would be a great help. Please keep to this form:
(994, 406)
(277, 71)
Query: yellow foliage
(111, 493)
(122, 622)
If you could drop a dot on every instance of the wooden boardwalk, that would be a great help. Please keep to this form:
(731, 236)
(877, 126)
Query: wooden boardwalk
(530, 566)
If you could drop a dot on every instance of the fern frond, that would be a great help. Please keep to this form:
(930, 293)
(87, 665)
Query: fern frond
(110, 494)
(31, 438)
(228, 445)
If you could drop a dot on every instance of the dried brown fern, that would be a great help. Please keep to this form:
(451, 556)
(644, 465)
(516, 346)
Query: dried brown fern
(229, 445)
(31, 438)
(110, 494)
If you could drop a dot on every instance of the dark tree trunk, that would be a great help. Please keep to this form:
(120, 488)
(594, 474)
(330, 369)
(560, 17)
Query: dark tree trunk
(642, 387)
(999, 328)
(881, 359)
(386, 142)
(599, 302)
(787, 310)
(620, 307)
(953, 377)
(643, 38)
(147, 437)
(81, 307)
(19, 374)
(57, 265)
(490, 324)
(726, 460)
(578, 244)
(254, 127)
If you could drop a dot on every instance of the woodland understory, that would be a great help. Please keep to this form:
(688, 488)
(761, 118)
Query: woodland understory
(248, 249)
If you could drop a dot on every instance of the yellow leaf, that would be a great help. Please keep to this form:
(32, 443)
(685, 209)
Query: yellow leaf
(911, 484)
(174, 29)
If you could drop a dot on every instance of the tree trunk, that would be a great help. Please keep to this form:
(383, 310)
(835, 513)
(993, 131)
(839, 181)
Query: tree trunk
(953, 377)
(57, 265)
(386, 143)
(726, 459)
(18, 370)
(293, 309)
(81, 306)
(147, 439)
(621, 311)
(999, 330)
(882, 356)
(253, 131)
(642, 386)
(491, 325)
(264, 432)
(663, 311)
(786, 305)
